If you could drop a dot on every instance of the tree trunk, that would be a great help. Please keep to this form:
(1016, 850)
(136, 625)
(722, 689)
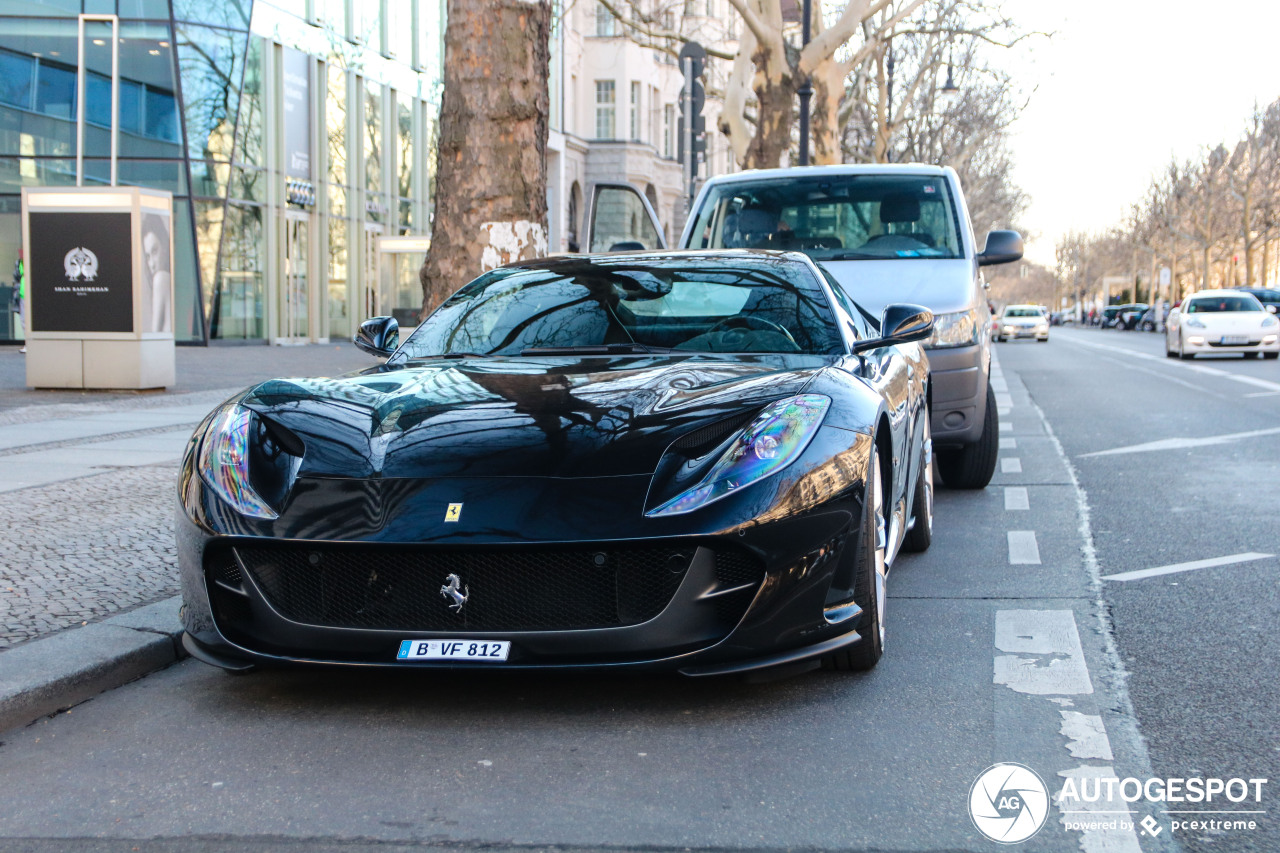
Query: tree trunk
(774, 85)
(491, 183)
(828, 89)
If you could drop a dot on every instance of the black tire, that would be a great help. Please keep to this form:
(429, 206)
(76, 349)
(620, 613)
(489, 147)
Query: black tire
(920, 536)
(972, 466)
(869, 580)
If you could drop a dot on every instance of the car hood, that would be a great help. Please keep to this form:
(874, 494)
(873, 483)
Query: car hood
(944, 286)
(520, 416)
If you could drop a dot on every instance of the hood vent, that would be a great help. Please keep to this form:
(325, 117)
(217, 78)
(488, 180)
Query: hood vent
(707, 438)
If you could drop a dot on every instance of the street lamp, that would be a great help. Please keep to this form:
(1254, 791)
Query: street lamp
(806, 90)
(949, 89)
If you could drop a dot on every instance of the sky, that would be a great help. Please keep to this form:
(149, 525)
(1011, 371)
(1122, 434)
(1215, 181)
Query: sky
(1120, 88)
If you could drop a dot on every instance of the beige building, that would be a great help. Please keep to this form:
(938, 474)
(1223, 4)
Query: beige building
(615, 106)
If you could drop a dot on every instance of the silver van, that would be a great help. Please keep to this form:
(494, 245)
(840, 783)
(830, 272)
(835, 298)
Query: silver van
(883, 233)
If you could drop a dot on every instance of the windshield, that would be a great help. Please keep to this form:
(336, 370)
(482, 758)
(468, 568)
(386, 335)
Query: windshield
(634, 305)
(1023, 312)
(834, 217)
(1215, 304)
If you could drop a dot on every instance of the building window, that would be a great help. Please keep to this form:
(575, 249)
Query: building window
(668, 128)
(605, 100)
(606, 24)
(635, 111)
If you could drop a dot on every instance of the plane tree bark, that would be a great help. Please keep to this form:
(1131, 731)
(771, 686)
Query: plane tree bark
(491, 179)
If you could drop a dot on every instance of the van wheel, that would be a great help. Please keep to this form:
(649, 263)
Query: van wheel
(972, 466)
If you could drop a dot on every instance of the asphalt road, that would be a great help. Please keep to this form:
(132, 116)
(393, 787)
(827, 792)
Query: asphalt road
(1003, 645)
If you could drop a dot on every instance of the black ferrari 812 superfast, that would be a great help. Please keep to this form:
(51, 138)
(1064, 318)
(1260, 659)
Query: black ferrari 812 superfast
(701, 462)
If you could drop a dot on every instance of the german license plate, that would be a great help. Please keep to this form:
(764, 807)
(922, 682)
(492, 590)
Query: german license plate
(491, 650)
(1234, 340)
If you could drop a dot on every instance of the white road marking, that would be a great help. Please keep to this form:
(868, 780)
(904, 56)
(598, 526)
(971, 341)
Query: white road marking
(1195, 368)
(1263, 394)
(1011, 466)
(1001, 411)
(1023, 550)
(1006, 426)
(1086, 736)
(1004, 400)
(1008, 444)
(1015, 498)
(1183, 443)
(1095, 840)
(1042, 654)
(998, 383)
(1187, 567)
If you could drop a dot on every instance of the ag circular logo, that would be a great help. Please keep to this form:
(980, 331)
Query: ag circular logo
(1008, 803)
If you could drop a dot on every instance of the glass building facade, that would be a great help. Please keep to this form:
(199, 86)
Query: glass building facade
(294, 135)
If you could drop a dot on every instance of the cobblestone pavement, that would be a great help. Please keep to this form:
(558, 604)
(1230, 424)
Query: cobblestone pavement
(80, 550)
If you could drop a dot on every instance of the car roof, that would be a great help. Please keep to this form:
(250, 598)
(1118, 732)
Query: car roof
(923, 169)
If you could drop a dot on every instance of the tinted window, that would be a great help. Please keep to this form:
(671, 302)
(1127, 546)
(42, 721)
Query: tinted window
(689, 305)
(1023, 312)
(15, 79)
(834, 217)
(1216, 304)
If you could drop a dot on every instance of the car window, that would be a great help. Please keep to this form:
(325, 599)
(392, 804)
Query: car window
(834, 217)
(1022, 312)
(1221, 304)
(708, 305)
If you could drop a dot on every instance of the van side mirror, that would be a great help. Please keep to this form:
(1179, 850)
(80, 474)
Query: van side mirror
(1002, 247)
(378, 336)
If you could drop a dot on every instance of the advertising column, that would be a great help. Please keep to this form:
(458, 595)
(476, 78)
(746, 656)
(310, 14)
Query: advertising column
(99, 287)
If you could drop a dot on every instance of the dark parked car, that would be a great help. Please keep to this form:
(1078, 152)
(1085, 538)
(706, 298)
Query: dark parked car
(1108, 317)
(696, 462)
(1268, 296)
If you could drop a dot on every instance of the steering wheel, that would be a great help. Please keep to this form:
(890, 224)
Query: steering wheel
(747, 322)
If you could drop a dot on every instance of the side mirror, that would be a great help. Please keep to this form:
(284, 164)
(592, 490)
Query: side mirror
(378, 336)
(1273, 308)
(901, 323)
(1002, 247)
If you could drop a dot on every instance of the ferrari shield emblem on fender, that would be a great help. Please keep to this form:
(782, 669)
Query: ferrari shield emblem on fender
(453, 513)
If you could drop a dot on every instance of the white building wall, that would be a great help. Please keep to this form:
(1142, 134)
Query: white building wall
(578, 157)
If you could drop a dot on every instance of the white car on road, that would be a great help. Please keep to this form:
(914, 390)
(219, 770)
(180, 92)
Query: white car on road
(1214, 321)
(1022, 321)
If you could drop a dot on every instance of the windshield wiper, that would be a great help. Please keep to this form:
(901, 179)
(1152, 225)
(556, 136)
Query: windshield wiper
(599, 349)
(855, 256)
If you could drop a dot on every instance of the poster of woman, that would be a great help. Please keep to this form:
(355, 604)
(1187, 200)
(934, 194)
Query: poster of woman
(157, 280)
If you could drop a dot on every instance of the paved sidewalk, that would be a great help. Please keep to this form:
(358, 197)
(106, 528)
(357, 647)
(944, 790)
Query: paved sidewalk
(86, 507)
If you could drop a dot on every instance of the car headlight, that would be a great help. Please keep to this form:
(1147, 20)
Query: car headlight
(772, 441)
(223, 462)
(1268, 322)
(1195, 324)
(958, 329)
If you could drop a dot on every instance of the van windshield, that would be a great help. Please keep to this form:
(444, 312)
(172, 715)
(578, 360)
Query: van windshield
(834, 217)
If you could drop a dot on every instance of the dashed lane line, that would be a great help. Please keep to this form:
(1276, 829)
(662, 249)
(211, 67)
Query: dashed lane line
(1192, 566)
(1008, 444)
(1015, 498)
(1011, 465)
(1023, 550)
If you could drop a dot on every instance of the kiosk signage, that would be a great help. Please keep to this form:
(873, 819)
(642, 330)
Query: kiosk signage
(99, 287)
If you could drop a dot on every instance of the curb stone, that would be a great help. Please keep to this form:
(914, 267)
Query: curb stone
(43, 676)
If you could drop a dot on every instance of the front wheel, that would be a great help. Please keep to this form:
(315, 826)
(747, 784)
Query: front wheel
(972, 466)
(869, 579)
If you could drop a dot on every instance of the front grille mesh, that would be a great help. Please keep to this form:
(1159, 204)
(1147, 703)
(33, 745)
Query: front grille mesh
(508, 590)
